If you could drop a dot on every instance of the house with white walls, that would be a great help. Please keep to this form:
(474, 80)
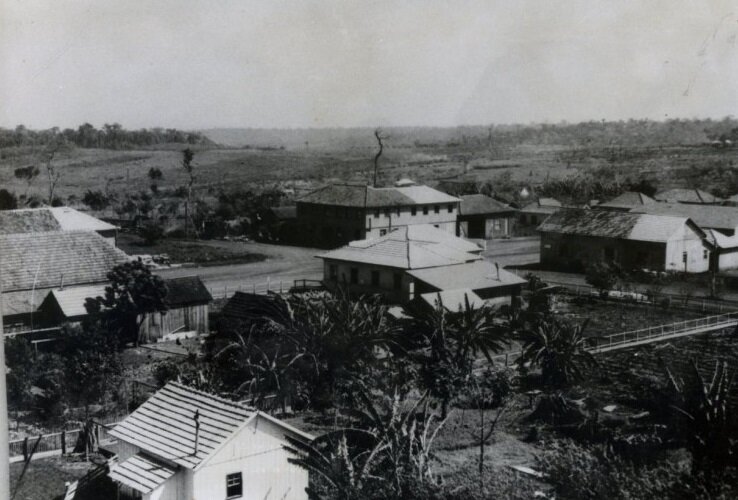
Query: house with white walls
(185, 444)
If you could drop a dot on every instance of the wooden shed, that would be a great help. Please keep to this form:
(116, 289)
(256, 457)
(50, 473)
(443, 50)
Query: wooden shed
(188, 302)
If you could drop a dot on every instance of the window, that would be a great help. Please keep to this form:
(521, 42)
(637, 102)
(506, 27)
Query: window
(375, 278)
(387, 212)
(450, 208)
(435, 225)
(413, 210)
(382, 232)
(705, 254)
(376, 214)
(684, 257)
(332, 271)
(497, 224)
(437, 209)
(425, 210)
(398, 211)
(397, 281)
(354, 277)
(234, 485)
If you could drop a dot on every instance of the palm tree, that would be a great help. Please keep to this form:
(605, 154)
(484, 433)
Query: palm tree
(558, 348)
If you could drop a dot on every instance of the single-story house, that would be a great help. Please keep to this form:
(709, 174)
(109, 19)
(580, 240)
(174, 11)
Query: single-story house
(536, 212)
(483, 217)
(719, 218)
(37, 220)
(626, 202)
(411, 261)
(187, 302)
(724, 252)
(34, 263)
(690, 196)
(575, 238)
(188, 444)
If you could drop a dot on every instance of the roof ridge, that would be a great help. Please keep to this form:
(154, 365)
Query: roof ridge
(209, 395)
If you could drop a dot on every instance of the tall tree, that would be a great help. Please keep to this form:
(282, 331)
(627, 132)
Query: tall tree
(132, 294)
(187, 157)
(380, 137)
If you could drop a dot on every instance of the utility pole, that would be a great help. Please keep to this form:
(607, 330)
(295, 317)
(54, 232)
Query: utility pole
(4, 451)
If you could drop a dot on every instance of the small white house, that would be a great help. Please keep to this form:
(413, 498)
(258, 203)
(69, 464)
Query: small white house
(184, 444)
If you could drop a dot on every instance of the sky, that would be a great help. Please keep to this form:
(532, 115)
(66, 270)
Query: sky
(196, 64)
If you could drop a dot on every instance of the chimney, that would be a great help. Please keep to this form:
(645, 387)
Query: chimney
(197, 429)
(61, 283)
(497, 266)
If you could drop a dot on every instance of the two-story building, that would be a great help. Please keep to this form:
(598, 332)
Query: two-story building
(187, 444)
(415, 260)
(339, 213)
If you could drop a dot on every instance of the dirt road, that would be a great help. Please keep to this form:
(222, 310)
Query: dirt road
(284, 264)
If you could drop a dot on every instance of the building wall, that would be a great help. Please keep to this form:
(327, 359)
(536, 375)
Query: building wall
(258, 454)
(330, 227)
(186, 318)
(728, 259)
(576, 252)
(340, 275)
(487, 226)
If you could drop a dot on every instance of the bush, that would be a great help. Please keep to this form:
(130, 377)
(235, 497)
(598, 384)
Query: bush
(151, 233)
(602, 277)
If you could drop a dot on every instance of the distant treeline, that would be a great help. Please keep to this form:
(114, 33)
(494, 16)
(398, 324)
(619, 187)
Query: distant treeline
(108, 137)
(638, 133)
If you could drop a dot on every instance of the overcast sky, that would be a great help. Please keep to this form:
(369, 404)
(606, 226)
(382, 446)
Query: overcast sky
(271, 63)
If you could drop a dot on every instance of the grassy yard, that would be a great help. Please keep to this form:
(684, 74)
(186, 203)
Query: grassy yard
(192, 251)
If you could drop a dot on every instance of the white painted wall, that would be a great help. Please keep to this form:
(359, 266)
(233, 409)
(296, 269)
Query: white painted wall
(390, 218)
(257, 453)
(686, 240)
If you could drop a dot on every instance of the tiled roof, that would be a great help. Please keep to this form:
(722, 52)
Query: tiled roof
(187, 290)
(629, 199)
(142, 473)
(164, 425)
(409, 247)
(681, 195)
(23, 302)
(480, 275)
(350, 195)
(247, 306)
(43, 260)
(479, 204)
(705, 216)
(35, 220)
(607, 224)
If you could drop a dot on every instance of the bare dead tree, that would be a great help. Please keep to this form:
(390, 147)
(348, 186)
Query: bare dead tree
(380, 137)
(53, 174)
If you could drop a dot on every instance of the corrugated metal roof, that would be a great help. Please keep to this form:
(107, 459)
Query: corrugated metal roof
(453, 300)
(409, 247)
(36, 220)
(142, 473)
(164, 425)
(479, 204)
(350, 195)
(186, 290)
(72, 300)
(480, 275)
(705, 216)
(682, 195)
(43, 260)
(629, 199)
(608, 224)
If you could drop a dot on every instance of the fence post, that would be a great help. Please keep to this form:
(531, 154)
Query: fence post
(25, 449)
(64, 442)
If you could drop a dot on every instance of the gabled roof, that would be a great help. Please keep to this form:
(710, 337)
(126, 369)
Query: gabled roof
(719, 240)
(35, 220)
(622, 225)
(409, 247)
(479, 275)
(247, 306)
(164, 426)
(705, 216)
(187, 290)
(43, 260)
(542, 206)
(479, 204)
(629, 199)
(142, 473)
(71, 301)
(681, 195)
(351, 195)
